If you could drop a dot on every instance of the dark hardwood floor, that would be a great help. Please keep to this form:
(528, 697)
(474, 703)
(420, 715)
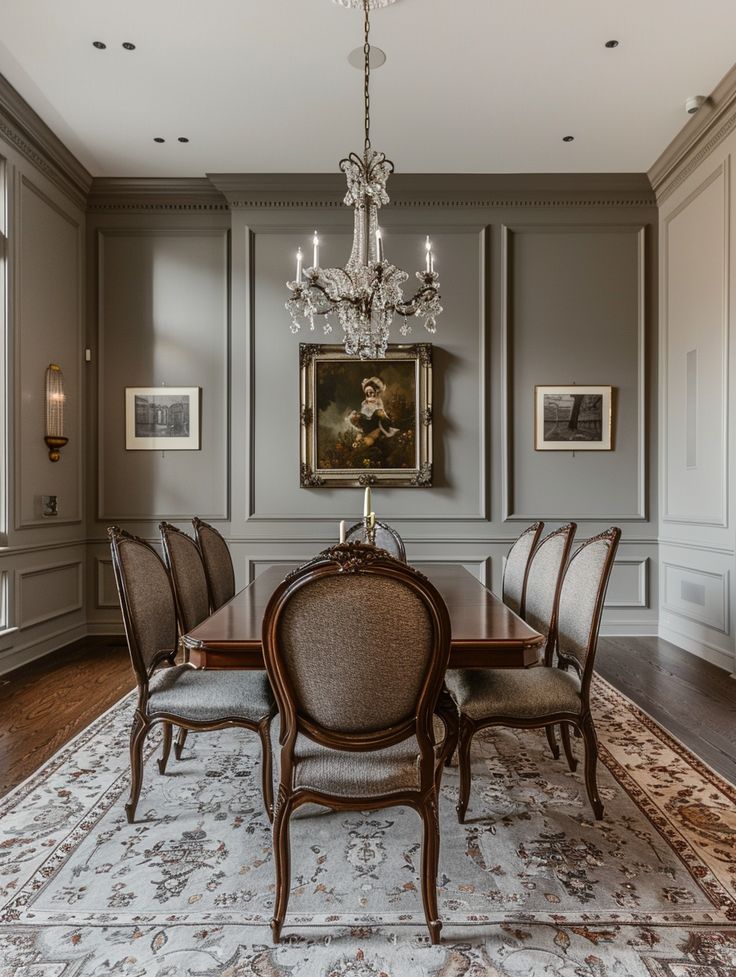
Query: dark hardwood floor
(44, 704)
(694, 700)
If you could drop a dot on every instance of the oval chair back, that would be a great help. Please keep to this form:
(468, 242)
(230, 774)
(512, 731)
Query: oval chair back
(543, 582)
(184, 560)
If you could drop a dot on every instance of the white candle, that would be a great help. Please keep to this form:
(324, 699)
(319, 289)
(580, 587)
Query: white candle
(315, 242)
(299, 260)
(342, 531)
(367, 502)
(372, 521)
(379, 245)
(428, 246)
(431, 261)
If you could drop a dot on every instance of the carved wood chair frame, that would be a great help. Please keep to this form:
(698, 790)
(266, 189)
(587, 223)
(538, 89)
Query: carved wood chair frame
(366, 560)
(201, 526)
(144, 720)
(581, 722)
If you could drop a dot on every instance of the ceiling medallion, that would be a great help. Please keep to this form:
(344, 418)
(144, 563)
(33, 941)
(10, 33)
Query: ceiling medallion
(367, 293)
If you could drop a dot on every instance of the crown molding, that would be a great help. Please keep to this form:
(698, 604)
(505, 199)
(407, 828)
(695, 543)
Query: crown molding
(707, 128)
(149, 195)
(26, 131)
(450, 190)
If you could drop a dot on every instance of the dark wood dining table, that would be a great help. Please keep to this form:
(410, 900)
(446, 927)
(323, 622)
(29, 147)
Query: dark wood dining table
(485, 632)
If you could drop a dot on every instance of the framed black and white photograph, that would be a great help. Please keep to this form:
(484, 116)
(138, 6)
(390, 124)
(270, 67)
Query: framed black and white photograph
(572, 418)
(366, 422)
(162, 418)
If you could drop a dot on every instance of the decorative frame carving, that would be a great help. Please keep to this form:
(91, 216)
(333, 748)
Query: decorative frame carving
(418, 475)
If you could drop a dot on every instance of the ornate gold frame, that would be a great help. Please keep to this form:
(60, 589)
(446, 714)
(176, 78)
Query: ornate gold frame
(310, 476)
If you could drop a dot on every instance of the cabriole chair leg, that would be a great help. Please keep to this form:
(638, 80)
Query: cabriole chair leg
(180, 741)
(282, 859)
(137, 739)
(463, 758)
(591, 759)
(571, 761)
(430, 864)
(552, 740)
(165, 748)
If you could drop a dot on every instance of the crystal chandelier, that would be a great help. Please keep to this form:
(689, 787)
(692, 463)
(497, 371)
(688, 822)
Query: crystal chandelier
(367, 293)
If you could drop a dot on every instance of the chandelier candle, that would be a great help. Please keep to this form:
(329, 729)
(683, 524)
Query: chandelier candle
(299, 261)
(367, 502)
(367, 293)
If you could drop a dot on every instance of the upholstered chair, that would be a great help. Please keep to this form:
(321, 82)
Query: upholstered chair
(177, 694)
(218, 564)
(517, 564)
(191, 594)
(558, 693)
(356, 644)
(543, 581)
(385, 537)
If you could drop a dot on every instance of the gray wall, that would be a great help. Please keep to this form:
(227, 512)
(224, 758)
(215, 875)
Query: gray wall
(539, 285)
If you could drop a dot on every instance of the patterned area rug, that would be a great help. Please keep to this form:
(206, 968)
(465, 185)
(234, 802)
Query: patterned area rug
(530, 886)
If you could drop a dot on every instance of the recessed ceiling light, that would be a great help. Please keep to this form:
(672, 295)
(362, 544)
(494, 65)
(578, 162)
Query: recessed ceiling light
(568, 138)
(183, 139)
(159, 139)
(611, 43)
(100, 45)
(129, 46)
(357, 57)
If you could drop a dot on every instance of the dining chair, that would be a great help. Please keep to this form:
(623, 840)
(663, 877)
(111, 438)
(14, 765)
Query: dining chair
(384, 536)
(516, 566)
(218, 564)
(171, 694)
(191, 595)
(542, 591)
(356, 689)
(553, 694)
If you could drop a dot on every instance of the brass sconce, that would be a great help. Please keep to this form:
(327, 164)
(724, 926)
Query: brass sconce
(55, 398)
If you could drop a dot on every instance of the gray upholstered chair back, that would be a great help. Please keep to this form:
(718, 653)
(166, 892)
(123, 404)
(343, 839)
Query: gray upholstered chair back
(357, 647)
(146, 600)
(544, 578)
(386, 538)
(517, 562)
(184, 561)
(581, 599)
(218, 564)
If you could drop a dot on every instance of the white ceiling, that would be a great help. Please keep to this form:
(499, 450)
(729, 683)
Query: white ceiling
(264, 85)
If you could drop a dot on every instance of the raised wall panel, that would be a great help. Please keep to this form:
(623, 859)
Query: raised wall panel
(48, 320)
(48, 592)
(106, 592)
(480, 568)
(629, 584)
(697, 595)
(163, 320)
(574, 309)
(460, 416)
(695, 355)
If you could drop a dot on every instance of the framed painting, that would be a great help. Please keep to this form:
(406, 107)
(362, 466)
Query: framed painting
(572, 418)
(365, 422)
(162, 418)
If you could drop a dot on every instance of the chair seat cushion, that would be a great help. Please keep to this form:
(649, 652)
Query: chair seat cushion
(204, 696)
(520, 693)
(350, 774)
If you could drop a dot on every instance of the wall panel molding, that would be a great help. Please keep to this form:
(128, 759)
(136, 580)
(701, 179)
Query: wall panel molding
(106, 594)
(509, 513)
(641, 595)
(73, 420)
(73, 569)
(482, 564)
(715, 519)
(686, 589)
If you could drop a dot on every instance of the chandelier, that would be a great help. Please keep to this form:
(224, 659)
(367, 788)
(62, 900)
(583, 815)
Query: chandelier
(367, 293)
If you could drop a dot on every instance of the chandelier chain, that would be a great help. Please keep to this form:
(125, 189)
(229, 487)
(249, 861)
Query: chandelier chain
(367, 76)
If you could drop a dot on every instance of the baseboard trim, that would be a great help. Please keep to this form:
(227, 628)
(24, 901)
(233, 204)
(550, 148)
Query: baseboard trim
(700, 648)
(15, 657)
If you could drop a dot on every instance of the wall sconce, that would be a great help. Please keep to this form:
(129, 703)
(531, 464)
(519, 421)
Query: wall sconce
(55, 398)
